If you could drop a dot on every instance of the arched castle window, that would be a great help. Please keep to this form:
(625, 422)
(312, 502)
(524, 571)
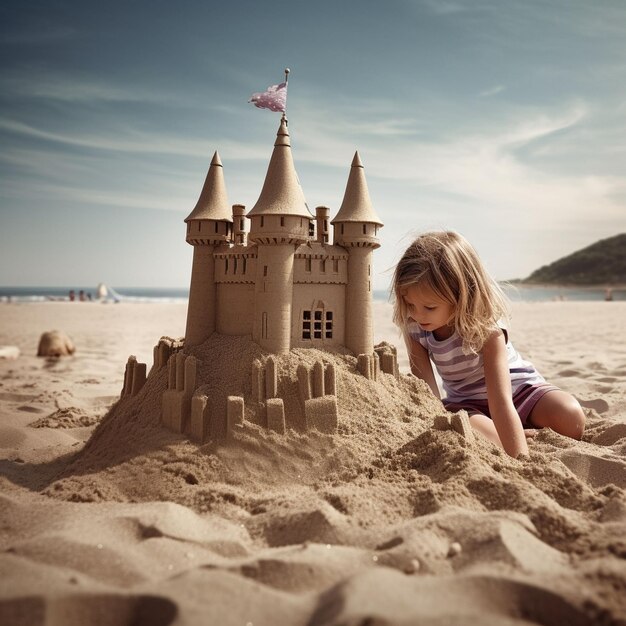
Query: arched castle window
(323, 265)
(307, 264)
(336, 266)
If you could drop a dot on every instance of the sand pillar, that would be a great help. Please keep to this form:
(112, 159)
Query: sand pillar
(322, 213)
(239, 231)
(202, 298)
(359, 325)
(273, 295)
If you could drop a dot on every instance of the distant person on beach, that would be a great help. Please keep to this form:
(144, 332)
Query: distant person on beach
(451, 312)
(72, 295)
(608, 295)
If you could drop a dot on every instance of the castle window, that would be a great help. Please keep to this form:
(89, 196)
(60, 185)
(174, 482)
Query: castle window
(342, 229)
(307, 265)
(282, 221)
(369, 270)
(241, 224)
(245, 264)
(336, 266)
(365, 229)
(323, 265)
(225, 266)
(216, 227)
(317, 324)
(262, 221)
(235, 268)
(265, 270)
(264, 326)
(199, 226)
(311, 229)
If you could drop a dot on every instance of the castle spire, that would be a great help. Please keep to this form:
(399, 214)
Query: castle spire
(213, 201)
(356, 205)
(281, 193)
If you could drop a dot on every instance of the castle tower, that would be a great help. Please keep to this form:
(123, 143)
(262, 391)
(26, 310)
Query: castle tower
(356, 228)
(279, 221)
(209, 225)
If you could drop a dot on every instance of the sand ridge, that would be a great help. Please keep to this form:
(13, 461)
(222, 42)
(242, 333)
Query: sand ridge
(390, 519)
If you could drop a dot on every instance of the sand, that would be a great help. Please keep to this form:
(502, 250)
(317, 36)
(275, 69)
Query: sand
(105, 518)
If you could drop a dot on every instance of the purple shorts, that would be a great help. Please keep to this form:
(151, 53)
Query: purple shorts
(524, 400)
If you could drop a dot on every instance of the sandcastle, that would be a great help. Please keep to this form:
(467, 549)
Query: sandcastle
(282, 283)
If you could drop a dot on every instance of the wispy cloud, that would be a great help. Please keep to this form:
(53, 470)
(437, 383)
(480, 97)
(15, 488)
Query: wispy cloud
(492, 91)
(133, 141)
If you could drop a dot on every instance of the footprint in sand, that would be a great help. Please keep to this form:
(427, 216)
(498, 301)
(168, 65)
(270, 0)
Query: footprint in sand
(595, 470)
(607, 379)
(599, 405)
(610, 435)
(570, 373)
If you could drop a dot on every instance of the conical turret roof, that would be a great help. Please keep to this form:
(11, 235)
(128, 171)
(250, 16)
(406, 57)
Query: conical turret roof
(356, 205)
(213, 201)
(281, 193)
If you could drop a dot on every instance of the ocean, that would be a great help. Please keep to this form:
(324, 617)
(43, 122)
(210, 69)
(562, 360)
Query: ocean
(517, 293)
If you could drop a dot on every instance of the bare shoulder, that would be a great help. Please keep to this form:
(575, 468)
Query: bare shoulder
(495, 344)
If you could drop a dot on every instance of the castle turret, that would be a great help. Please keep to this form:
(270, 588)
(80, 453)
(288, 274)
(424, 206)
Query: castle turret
(356, 228)
(209, 225)
(279, 221)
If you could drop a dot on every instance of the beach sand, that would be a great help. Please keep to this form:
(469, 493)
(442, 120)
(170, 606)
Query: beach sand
(389, 521)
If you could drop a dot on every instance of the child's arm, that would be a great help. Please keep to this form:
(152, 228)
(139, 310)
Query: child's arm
(421, 365)
(500, 396)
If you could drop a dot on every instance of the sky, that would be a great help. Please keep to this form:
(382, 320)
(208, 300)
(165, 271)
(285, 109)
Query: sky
(500, 119)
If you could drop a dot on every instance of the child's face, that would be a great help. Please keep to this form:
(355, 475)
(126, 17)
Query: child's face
(426, 308)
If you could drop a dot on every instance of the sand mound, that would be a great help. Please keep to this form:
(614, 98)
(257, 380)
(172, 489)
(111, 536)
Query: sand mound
(55, 343)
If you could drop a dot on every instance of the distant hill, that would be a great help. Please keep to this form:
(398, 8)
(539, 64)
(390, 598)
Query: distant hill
(602, 263)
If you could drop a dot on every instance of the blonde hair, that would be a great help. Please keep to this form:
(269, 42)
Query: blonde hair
(447, 264)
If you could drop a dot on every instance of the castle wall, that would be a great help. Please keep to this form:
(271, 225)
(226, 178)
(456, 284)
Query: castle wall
(318, 308)
(318, 269)
(235, 266)
(235, 308)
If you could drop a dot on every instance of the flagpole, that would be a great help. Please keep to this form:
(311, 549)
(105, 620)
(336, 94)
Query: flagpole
(287, 70)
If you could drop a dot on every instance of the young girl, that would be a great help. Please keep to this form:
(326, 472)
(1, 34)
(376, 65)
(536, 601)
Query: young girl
(450, 312)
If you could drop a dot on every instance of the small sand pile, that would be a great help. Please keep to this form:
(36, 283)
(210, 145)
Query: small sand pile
(70, 417)
(55, 343)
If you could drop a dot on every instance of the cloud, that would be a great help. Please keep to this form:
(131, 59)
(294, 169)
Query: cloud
(492, 91)
(132, 141)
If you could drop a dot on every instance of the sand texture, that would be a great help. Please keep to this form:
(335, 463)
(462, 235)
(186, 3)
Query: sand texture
(397, 518)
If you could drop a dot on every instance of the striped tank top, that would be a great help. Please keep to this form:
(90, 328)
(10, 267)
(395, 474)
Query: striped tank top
(463, 375)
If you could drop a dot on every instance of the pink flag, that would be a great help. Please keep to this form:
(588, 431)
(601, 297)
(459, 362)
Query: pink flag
(273, 98)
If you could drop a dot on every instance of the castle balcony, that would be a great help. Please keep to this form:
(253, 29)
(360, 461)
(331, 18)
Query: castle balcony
(208, 232)
(357, 234)
(279, 229)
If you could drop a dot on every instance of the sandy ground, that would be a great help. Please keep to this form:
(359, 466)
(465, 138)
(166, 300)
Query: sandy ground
(389, 521)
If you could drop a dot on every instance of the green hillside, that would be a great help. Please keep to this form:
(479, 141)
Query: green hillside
(602, 263)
